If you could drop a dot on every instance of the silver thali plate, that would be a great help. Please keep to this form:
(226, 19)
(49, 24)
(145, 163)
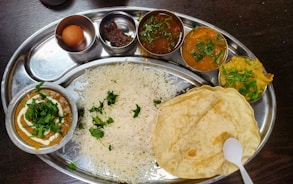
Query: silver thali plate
(40, 59)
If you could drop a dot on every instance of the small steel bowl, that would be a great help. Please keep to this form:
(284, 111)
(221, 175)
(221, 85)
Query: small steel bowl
(88, 30)
(240, 80)
(124, 23)
(10, 122)
(146, 37)
(52, 2)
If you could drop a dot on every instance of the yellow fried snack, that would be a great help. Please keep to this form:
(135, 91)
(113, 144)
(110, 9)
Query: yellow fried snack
(191, 129)
(246, 75)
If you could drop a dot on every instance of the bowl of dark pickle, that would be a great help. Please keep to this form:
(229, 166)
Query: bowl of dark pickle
(118, 33)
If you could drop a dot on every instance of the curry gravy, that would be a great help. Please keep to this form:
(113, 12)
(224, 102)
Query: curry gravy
(25, 128)
(161, 33)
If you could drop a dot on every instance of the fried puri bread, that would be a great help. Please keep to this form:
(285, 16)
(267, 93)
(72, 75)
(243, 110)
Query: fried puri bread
(191, 129)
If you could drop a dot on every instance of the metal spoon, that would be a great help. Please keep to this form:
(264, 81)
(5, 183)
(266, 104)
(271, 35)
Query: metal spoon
(233, 153)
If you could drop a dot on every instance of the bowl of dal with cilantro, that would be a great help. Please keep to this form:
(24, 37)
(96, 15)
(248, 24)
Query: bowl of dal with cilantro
(41, 118)
(246, 75)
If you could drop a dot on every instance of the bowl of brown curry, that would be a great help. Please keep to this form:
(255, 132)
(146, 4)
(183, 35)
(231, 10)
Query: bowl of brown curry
(160, 32)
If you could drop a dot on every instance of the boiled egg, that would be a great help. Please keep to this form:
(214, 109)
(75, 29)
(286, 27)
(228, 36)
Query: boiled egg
(73, 36)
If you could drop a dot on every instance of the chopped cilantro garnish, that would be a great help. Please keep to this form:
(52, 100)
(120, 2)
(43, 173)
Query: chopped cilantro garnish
(243, 80)
(43, 116)
(156, 102)
(38, 87)
(136, 111)
(72, 166)
(97, 132)
(197, 56)
(43, 96)
(153, 29)
(206, 47)
(98, 122)
(209, 49)
(110, 147)
(111, 98)
(110, 120)
(98, 109)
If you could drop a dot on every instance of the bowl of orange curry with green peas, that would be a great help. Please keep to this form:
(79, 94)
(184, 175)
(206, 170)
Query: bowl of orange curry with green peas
(204, 49)
(41, 118)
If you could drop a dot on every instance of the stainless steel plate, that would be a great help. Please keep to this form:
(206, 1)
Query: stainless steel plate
(40, 59)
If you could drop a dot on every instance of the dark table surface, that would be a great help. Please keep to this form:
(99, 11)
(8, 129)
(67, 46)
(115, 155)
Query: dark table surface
(265, 27)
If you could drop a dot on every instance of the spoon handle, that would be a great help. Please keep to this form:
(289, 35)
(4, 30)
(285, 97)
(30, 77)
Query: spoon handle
(246, 178)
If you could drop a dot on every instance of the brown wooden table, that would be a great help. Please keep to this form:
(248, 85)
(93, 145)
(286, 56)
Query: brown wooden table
(265, 27)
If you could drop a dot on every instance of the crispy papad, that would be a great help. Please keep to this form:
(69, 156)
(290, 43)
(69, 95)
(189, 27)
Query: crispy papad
(191, 129)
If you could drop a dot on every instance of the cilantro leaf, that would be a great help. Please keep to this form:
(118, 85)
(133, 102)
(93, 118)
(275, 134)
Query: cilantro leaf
(38, 87)
(111, 98)
(72, 166)
(136, 111)
(96, 132)
(43, 116)
(110, 147)
(98, 122)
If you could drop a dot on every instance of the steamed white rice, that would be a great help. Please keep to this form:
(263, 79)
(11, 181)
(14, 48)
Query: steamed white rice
(131, 159)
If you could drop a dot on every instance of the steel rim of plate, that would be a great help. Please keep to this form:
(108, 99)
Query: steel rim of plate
(234, 47)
